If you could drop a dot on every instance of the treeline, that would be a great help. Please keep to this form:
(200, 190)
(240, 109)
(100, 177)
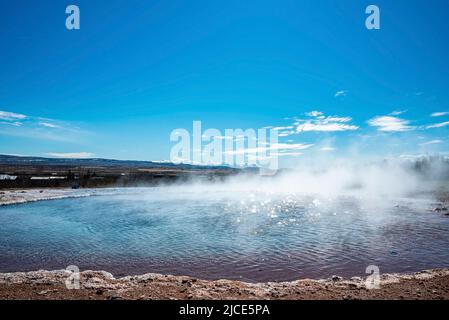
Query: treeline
(431, 167)
(92, 179)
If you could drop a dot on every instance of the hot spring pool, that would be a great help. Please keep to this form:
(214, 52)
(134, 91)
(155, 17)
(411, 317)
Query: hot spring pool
(216, 234)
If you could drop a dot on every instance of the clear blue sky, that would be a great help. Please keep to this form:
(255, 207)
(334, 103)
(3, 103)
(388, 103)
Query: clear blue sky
(139, 69)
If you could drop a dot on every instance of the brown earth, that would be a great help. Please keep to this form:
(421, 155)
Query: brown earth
(50, 285)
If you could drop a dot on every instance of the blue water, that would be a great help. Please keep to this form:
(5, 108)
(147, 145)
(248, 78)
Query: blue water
(249, 236)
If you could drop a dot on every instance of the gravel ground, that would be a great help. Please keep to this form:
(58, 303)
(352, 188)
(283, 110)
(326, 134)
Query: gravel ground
(431, 284)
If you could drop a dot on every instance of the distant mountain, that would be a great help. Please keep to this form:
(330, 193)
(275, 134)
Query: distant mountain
(98, 162)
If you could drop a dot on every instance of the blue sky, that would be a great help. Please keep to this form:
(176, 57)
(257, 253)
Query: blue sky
(136, 70)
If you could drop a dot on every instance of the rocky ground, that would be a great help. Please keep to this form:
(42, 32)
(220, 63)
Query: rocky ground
(17, 196)
(431, 284)
(443, 203)
(8, 197)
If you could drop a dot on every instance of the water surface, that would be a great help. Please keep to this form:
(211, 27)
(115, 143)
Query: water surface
(215, 234)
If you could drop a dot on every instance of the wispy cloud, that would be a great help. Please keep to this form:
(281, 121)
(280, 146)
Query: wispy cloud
(205, 136)
(11, 116)
(327, 149)
(273, 155)
(283, 131)
(438, 125)
(321, 123)
(325, 127)
(73, 155)
(341, 93)
(283, 128)
(276, 147)
(14, 124)
(286, 133)
(439, 114)
(337, 119)
(390, 124)
(397, 112)
(49, 125)
(436, 141)
(21, 125)
(314, 113)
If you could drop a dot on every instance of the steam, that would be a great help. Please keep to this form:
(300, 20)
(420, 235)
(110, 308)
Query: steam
(381, 180)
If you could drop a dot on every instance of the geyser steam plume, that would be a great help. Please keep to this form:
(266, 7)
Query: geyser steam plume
(380, 179)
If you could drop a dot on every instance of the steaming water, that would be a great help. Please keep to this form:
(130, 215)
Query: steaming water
(207, 233)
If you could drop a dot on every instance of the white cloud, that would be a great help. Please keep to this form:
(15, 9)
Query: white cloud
(275, 155)
(397, 112)
(286, 133)
(338, 119)
(11, 116)
(205, 136)
(15, 123)
(278, 147)
(439, 114)
(74, 155)
(49, 125)
(162, 161)
(341, 93)
(314, 113)
(290, 146)
(283, 131)
(438, 125)
(282, 128)
(431, 142)
(325, 127)
(324, 124)
(390, 124)
(327, 149)
(17, 119)
(20, 125)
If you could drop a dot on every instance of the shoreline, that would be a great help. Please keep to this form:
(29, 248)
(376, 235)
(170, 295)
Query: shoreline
(21, 196)
(101, 285)
(429, 284)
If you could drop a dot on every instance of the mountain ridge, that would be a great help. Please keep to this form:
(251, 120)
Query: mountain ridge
(98, 162)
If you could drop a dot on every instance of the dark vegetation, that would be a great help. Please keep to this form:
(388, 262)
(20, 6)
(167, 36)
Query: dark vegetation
(430, 167)
(34, 172)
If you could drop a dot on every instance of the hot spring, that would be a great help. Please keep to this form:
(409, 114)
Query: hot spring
(213, 233)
